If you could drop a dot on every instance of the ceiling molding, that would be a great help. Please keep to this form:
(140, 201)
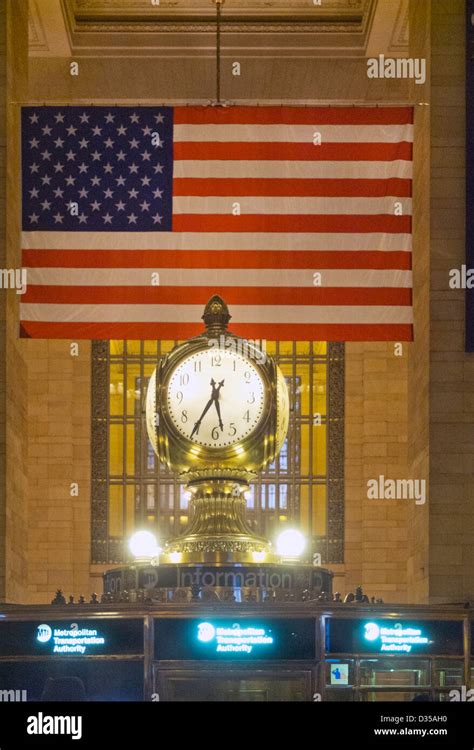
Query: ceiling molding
(36, 37)
(48, 33)
(236, 26)
(401, 30)
(239, 16)
(389, 30)
(250, 28)
(90, 10)
(186, 28)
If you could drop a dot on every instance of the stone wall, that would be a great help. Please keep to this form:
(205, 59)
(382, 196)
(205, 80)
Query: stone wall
(376, 444)
(48, 412)
(16, 489)
(418, 363)
(3, 159)
(451, 531)
(59, 455)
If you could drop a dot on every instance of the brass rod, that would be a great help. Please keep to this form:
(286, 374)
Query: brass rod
(218, 52)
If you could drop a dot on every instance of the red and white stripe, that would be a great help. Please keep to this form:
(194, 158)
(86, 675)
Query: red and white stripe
(305, 208)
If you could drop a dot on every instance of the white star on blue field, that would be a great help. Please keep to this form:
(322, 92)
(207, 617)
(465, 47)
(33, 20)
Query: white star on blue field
(97, 169)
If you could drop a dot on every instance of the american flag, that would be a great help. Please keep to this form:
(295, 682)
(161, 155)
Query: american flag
(300, 218)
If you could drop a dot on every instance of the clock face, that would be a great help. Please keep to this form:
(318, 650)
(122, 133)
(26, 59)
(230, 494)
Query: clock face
(215, 397)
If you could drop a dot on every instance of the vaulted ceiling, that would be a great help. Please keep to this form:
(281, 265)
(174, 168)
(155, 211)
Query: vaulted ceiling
(250, 28)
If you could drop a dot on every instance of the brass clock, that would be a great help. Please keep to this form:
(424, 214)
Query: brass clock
(217, 412)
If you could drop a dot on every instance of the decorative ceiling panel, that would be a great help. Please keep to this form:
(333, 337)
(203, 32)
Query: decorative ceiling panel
(37, 39)
(140, 16)
(400, 36)
(144, 10)
(250, 28)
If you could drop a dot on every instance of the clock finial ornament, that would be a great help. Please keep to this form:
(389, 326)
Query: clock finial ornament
(216, 316)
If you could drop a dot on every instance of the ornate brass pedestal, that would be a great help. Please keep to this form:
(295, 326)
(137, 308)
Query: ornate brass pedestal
(218, 531)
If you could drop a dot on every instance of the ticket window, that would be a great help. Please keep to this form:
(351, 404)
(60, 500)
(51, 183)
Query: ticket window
(418, 676)
(351, 679)
(89, 659)
(390, 676)
(215, 687)
(397, 659)
(448, 679)
(394, 672)
(448, 673)
(234, 659)
(395, 679)
(67, 679)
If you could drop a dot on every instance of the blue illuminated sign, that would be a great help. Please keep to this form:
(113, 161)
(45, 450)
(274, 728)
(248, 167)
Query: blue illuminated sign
(72, 640)
(241, 639)
(234, 638)
(89, 636)
(395, 638)
(392, 637)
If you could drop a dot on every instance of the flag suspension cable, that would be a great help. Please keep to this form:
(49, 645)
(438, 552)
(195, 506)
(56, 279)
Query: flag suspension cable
(219, 4)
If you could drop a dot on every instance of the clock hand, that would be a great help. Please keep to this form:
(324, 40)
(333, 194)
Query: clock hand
(206, 408)
(218, 409)
(216, 392)
(198, 423)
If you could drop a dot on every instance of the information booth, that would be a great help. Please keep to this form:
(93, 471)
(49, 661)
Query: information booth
(293, 651)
